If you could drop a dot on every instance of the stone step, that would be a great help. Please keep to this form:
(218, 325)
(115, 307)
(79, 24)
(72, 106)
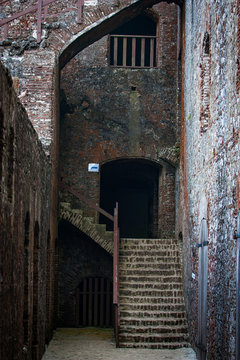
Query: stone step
(149, 273)
(151, 266)
(149, 259)
(163, 329)
(170, 321)
(151, 307)
(154, 293)
(137, 314)
(153, 338)
(148, 285)
(153, 279)
(148, 241)
(144, 253)
(151, 300)
(148, 247)
(156, 345)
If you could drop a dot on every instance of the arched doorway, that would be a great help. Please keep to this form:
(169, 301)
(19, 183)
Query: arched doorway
(134, 184)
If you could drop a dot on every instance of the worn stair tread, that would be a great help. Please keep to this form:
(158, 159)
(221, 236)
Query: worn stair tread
(160, 345)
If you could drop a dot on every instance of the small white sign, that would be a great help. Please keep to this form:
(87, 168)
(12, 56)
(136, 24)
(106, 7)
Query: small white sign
(193, 276)
(93, 167)
(90, 2)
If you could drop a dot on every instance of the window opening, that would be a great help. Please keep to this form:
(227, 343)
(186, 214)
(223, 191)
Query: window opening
(134, 44)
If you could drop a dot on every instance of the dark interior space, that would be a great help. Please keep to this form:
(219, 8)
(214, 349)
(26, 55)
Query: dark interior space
(140, 26)
(85, 280)
(134, 185)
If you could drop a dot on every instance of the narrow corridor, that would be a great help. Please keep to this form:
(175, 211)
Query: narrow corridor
(98, 344)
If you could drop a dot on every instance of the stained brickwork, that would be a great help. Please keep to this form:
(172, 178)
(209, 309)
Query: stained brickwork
(24, 221)
(212, 170)
(111, 113)
(80, 257)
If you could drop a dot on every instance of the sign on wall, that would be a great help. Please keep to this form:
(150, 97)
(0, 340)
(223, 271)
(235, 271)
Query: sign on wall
(92, 167)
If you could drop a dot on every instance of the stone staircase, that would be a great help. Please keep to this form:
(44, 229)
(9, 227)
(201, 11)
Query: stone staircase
(87, 225)
(152, 308)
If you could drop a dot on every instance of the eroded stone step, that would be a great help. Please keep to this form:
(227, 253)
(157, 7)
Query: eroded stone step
(152, 286)
(170, 321)
(126, 313)
(149, 259)
(148, 241)
(150, 273)
(153, 254)
(151, 300)
(125, 264)
(152, 307)
(148, 247)
(148, 293)
(153, 279)
(163, 329)
(156, 345)
(153, 338)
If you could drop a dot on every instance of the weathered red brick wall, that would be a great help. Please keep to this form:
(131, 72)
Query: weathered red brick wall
(110, 113)
(25, 183)
(211, 163)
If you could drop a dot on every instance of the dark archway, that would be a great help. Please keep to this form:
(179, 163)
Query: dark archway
(134, 184)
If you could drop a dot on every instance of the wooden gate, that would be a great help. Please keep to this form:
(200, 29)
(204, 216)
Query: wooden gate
(94, 302)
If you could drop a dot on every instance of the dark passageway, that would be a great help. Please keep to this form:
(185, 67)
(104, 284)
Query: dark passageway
(134, 184)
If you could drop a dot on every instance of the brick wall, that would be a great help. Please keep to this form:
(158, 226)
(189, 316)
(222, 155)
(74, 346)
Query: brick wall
(25, 179)
(79, 257)
(211, 163)
(110, 113)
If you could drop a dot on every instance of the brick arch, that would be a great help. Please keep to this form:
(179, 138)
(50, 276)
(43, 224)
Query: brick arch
(102, 26)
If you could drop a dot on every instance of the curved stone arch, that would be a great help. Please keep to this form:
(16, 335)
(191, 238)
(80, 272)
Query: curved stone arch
(161, 222)
(102, 27)
(161, 161)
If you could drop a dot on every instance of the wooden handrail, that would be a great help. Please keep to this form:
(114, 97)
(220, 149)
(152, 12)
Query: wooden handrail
(81, 197)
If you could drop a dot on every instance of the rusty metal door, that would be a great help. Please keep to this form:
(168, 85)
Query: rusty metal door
(94, 302)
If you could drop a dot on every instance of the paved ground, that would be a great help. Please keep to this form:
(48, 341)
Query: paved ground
(98, 344)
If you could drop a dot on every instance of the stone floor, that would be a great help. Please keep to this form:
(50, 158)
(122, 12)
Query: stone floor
(98, 344)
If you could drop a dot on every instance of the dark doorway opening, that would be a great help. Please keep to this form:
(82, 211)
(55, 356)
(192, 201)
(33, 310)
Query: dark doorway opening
(94, 302)
(134, 184)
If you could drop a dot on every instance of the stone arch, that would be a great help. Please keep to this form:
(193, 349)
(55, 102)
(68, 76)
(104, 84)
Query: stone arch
(145, 190)
(102, 27)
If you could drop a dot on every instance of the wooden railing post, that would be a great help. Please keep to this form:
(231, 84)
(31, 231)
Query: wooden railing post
(116, 274)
